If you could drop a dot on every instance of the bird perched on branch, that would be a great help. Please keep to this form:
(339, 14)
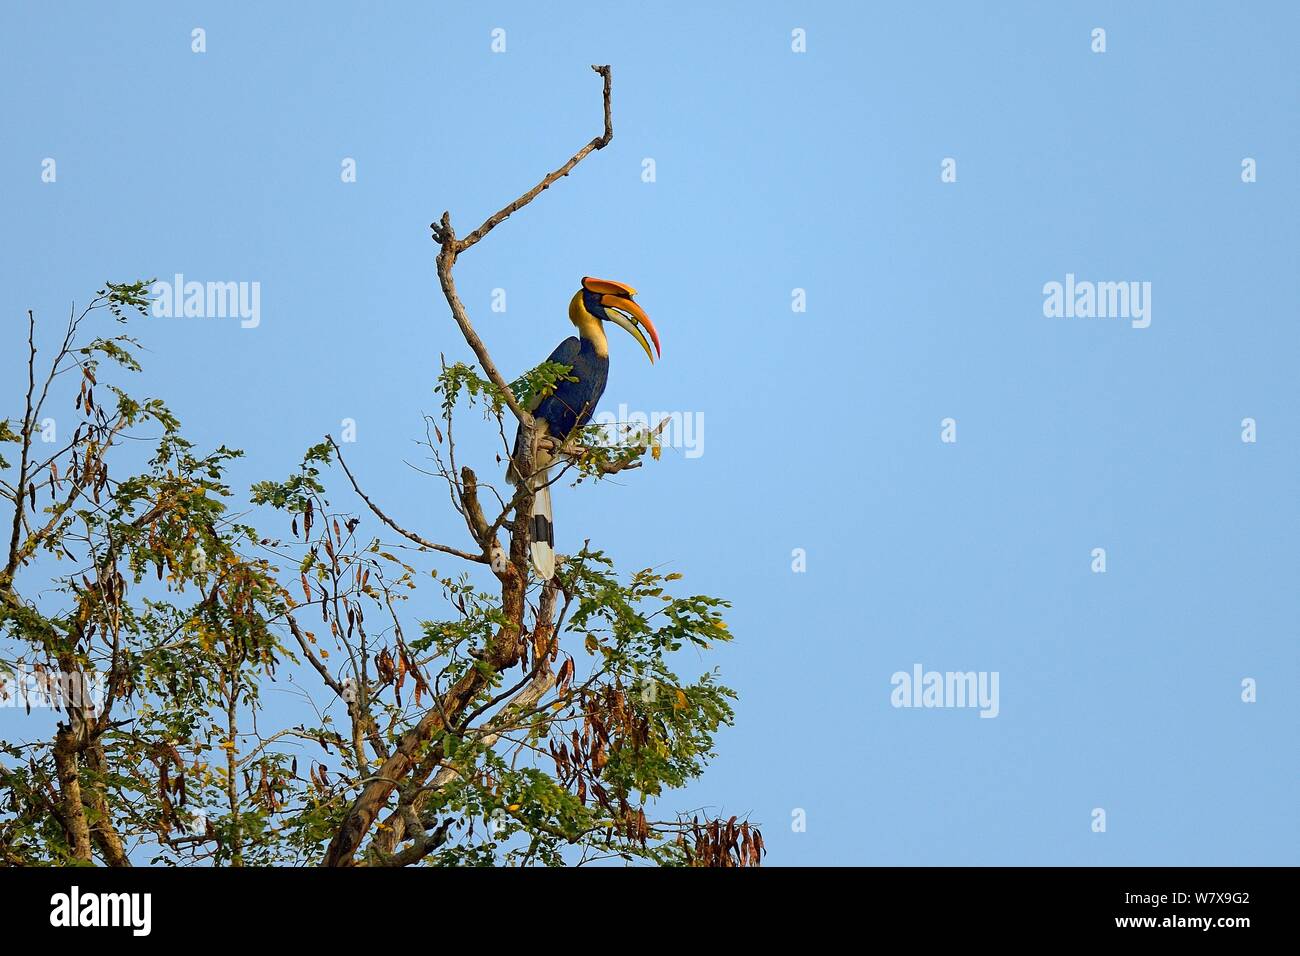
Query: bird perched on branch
(570, 406)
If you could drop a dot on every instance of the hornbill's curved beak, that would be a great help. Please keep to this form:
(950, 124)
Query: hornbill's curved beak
(622, 311)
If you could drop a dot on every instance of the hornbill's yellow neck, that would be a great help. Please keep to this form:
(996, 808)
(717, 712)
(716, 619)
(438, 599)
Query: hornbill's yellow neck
(589, 327)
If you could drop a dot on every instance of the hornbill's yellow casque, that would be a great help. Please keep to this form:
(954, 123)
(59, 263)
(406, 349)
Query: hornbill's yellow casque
(572, 404)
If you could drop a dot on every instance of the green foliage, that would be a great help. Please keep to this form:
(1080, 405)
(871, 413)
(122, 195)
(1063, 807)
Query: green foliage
(7, 434)
(631, 629)
(528, 389)
(537, 383)
(599, 458)
(295, 493)
(124, 297)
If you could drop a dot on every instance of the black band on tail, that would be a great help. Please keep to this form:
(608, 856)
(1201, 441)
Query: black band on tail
(542, 530)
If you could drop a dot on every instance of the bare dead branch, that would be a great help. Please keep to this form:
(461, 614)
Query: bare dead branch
(447, 259)
(424, 844)
(600, 142)
(473, 510)
(315, 661)
(20, 499)
(445, 236)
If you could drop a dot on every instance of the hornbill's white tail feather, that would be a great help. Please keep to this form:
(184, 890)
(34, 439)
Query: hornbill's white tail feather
(542, 523)
(543, 531)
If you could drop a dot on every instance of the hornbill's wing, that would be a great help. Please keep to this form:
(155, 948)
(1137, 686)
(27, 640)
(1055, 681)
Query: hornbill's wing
(566, 353)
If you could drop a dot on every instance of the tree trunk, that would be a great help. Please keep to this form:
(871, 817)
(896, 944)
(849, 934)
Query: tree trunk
(72, 810)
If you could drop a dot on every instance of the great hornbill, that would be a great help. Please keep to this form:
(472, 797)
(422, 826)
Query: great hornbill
(572, 403)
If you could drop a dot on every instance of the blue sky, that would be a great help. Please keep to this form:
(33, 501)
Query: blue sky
(778, 170)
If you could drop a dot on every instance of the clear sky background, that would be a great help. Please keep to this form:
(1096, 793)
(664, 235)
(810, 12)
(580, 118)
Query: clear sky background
(778, 170)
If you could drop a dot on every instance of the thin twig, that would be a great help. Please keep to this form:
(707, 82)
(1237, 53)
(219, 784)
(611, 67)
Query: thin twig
(409, 535)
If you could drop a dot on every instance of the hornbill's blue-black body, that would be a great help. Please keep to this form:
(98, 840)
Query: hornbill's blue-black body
(572, 403)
